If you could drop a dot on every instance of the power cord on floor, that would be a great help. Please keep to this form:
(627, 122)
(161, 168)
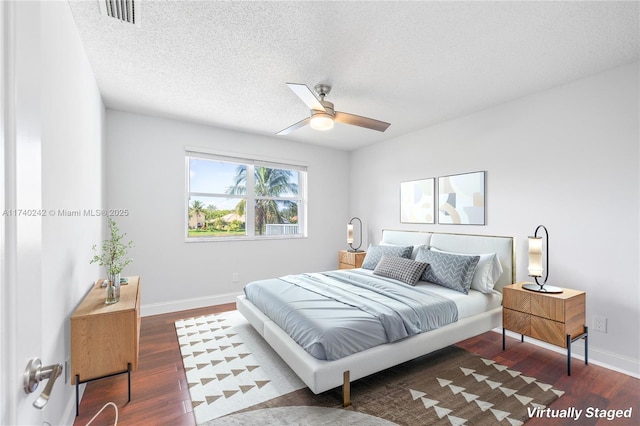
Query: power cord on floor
(115, 422)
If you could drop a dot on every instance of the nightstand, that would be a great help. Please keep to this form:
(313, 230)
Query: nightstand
(556, 318)
(350, 259)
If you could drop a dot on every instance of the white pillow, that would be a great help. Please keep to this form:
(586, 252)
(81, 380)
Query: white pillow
(488, 271)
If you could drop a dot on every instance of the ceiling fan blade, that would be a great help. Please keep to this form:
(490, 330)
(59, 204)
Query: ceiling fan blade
(293, 127)
(356, 120)
(306, 95)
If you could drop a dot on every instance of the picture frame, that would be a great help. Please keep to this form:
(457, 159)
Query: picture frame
(461, 199)
(417, 201)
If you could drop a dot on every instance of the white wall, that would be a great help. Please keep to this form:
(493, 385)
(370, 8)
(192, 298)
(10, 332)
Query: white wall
(146, 175)
(72, 116)
(566, 158)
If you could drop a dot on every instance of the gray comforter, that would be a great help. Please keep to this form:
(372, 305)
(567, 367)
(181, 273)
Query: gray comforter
(338, 313)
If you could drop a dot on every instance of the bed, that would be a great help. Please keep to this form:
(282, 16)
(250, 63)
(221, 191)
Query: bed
(483, 312)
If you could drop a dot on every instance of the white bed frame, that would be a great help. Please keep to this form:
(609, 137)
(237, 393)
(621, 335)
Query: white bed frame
(321, 375)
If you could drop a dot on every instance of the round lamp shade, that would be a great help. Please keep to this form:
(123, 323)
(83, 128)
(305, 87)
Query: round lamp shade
(321, 121)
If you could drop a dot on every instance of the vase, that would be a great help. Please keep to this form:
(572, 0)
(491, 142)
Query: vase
(113, 289)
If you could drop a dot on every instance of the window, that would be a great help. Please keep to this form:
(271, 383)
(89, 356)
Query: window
(229, 197)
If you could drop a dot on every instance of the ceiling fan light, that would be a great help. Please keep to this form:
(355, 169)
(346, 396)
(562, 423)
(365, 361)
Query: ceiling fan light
(321, 121)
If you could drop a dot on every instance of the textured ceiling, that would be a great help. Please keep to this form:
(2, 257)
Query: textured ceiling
(412, 64)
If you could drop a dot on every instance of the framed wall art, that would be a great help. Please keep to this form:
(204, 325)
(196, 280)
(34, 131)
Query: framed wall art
(461, 199)
(417, 201)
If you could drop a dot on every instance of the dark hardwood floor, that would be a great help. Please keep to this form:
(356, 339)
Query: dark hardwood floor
(159, 393)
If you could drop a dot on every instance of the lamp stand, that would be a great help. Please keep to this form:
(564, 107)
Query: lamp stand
(541, 288)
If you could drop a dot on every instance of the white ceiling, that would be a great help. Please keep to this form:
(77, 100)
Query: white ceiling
(412, 64)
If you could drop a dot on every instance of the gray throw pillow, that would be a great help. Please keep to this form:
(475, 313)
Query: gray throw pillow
(448, 270)
(375, 253)
(401, 269)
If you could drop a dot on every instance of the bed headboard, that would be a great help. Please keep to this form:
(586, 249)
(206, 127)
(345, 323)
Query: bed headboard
(504, 247)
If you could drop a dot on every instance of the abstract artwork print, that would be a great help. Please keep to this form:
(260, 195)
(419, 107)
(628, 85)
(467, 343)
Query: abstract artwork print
(461, 199)
(417, 201)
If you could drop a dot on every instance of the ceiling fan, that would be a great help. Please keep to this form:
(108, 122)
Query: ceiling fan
(322, 113)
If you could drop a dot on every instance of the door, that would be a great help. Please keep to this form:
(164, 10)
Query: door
(20, 279)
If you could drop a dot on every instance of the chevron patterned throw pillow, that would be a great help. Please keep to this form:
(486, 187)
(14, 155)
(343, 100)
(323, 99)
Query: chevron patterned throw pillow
(448, 270)
(375, 253)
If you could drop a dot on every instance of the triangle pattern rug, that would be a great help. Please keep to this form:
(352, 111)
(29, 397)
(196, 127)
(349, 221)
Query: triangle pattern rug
(448, 387)
(229, 366)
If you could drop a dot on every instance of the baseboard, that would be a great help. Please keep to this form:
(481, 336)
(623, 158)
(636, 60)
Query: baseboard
(597, 356)
(186, 304)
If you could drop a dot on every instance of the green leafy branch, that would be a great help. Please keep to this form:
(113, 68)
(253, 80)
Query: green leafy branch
(114, 251)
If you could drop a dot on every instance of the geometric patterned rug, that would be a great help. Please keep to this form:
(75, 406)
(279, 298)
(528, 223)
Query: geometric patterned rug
(480, 391)
(229, 366)
(448, 387)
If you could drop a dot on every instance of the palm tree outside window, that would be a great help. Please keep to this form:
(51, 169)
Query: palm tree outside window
(250, 198)
(270, 185)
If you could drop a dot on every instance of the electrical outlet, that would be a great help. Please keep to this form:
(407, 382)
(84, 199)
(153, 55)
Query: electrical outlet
(599, 323)
(234, 277)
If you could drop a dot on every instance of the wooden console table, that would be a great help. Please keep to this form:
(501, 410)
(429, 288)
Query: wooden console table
(105, 338)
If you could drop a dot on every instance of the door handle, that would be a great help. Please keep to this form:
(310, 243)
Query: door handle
(34, 374)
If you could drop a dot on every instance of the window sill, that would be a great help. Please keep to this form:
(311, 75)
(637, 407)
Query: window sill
(254, 238)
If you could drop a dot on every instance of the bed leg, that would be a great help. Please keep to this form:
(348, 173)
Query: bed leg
(346, 389)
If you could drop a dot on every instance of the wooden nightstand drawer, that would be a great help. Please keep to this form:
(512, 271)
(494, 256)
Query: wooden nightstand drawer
(548, 331)
(350, 259)
(547, 307)
(516, 321)
(516, 300)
